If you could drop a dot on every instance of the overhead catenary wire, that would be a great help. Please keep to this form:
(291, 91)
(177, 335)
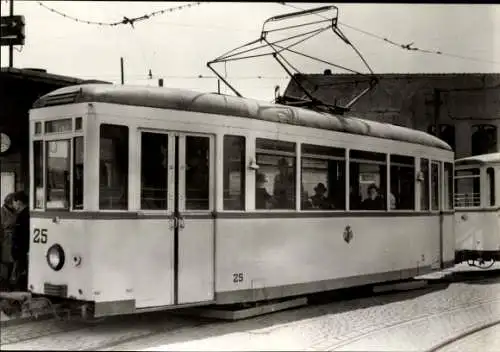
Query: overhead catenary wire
(125, 20)
(408, 47)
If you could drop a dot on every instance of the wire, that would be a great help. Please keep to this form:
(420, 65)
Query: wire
(408, 47)
(125, 20)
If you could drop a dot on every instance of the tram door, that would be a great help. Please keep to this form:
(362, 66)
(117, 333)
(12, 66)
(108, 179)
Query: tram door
(193, 218)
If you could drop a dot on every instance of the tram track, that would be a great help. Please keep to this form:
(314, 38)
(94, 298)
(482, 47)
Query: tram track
(57, 329)
(452, 340)
(386, 328)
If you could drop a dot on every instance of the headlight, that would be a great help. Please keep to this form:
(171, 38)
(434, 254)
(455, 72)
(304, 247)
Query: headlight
(55, 257)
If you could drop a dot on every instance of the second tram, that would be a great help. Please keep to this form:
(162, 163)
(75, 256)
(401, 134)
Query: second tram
(477, 228)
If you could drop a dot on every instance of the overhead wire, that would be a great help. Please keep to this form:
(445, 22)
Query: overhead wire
(408, 47)
(125, 20)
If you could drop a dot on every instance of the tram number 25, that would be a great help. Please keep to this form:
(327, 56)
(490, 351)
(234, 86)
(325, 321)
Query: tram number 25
(237, 277)
(40, 235)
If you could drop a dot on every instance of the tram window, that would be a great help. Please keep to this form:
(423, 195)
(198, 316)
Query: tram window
(58, 171)
(491, 182)
(435, 184)
(275, 179)
(78, 173)
(402, 183)
(78, 124)
(424, 185)
(368, 180)
(322, 177)
(154, 171)
(448, 185)
(113, 169)
(467, 188)
(38, 174)
(58, 126)
(234, 173)
(197, 173)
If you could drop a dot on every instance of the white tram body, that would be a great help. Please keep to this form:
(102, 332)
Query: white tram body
(144, 198)
(477, 208)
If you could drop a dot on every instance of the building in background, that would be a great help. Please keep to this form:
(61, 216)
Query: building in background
(19, 88)
(461, 109)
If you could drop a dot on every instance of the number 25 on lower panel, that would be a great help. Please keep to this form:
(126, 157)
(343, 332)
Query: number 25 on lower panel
(237, 277)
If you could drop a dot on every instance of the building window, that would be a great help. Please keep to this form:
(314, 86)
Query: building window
(234, 172)
(447, 134)
(424, 188)
(402, 195)
(322, 177)
(490, 172)
(484, 139)
(78, 173)
(435, 186)
(113, 173)
(368, 176)
(467, 188)
(275, 179)
(38, 174)
(154, 171)
(448, 186)
(58, 174)
(38, 128)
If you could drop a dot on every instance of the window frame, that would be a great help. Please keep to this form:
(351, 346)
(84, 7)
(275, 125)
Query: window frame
(389, 181)
(491, 185)
(301, 155)
(438, 165)
(385, 179)
(168, 136)
(130, 131)
(474, 176)
(295, 154)
(243, 174)
(51, 137)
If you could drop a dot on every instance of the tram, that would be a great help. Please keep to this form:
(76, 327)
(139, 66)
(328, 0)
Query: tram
(149, 198)
(477, 210)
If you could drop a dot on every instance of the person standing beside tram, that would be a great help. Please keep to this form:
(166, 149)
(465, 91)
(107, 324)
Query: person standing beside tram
(20, 242)
(8, 224)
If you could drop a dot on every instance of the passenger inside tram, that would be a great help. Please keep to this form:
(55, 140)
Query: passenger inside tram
(374, 200)
(319, 200)
(284, 186)
(263, 199)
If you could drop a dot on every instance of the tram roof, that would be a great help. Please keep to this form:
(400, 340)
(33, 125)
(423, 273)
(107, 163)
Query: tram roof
(213, 103)
(483, 159)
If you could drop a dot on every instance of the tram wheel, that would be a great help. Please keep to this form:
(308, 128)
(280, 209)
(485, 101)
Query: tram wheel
(482, 264)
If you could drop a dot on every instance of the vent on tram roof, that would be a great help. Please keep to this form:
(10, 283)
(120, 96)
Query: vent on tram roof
(57, 99)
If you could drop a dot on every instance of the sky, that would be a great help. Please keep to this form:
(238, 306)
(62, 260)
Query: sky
(177, 45)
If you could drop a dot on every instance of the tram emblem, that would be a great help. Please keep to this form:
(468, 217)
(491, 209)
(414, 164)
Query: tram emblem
(348, 234)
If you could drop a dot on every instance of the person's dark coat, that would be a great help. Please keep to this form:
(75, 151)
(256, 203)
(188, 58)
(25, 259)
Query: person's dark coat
(8, 225)
(373, 204)
(20, 238)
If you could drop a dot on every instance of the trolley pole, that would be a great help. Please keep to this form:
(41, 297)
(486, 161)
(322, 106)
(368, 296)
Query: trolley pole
(11, 47)
(121, 70)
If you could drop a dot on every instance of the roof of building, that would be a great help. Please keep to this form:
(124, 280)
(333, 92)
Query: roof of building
(212, 103)
(479, 159)
(42, 76)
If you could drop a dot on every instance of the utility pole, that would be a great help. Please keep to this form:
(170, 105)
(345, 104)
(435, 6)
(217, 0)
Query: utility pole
(437, 110)
(121, 70)
(11, 47)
